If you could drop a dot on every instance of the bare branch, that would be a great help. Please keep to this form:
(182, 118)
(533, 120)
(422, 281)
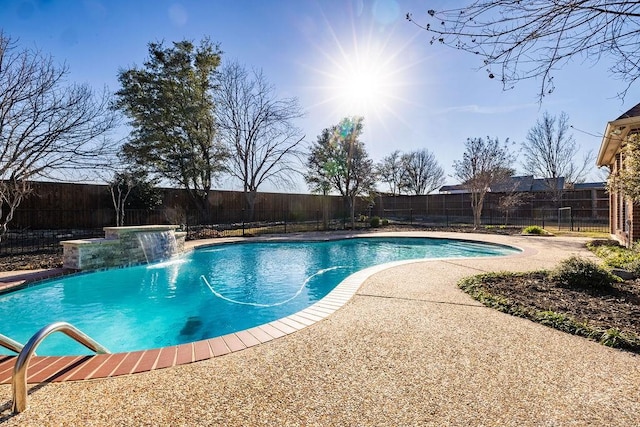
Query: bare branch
(531, 39)
(46, 128)
(257, 128)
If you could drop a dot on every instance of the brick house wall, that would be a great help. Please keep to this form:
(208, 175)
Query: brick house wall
(624, 216)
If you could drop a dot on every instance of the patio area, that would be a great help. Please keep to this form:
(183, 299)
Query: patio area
(409, 348)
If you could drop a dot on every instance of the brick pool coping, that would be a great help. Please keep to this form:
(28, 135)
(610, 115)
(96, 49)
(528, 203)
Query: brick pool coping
(44, 369)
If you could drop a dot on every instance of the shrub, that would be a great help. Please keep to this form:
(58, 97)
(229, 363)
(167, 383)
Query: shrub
(602, 242)
(613, 254)
(375, 221)
(534, 229)
(581, 273)
(633, 266)
(385, 222)
(613, 337)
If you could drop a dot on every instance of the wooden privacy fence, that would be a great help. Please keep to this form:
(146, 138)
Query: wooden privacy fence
(58, 211)
(69, 206)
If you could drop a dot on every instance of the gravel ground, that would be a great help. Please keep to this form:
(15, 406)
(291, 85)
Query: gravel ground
(409, 349)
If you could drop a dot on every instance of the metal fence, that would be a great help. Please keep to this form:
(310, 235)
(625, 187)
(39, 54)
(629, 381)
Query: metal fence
(545, 218)
(25, 241)
(41, 230)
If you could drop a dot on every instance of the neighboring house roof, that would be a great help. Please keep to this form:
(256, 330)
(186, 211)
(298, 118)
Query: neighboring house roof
(615, 133)
(590, 186)
(452, 189)
(525, 183)
(548, 184)
(514, 183)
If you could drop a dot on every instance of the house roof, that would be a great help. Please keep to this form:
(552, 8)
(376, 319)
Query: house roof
(615, 133)
(633, 112)
(547, 184)
(453, 189)
(514, 183)
(524, 183)
(590, 186)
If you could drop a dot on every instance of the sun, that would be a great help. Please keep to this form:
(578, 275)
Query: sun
(362, 82)
(362, 85)
(360, 74)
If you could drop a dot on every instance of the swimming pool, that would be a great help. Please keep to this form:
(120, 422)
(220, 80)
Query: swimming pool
(208, 292)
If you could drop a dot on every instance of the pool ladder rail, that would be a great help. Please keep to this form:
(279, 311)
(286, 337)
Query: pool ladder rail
(10, 344)
(19, 377)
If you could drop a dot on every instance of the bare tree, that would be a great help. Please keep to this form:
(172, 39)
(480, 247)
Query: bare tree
(549, 152)
(529, 39)
(484, 163)
(391, 172)
(257, 128)
(511, 199)
(132, 188)
(46, 127)
(422, 173)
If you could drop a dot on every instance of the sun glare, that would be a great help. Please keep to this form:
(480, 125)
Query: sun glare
(362, 86)
(361, 72)
(362, 83)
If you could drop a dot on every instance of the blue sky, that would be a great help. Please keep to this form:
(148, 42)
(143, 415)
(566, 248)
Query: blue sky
(338, 57)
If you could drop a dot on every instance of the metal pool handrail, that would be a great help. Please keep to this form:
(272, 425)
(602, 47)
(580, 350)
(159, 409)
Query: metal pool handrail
(19, 378)
(10, 344)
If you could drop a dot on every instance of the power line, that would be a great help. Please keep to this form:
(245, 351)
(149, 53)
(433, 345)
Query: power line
(585, 132)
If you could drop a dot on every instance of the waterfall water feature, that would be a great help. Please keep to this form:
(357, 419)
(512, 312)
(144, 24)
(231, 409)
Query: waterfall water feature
(122, 246)
(158, 245)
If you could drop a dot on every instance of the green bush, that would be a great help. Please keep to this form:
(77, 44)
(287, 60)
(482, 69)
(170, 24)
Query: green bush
(534, 229)
(385, 222)
(633, 266)
(615, 255)
(581, 273)
(616, 338)
(375, 221)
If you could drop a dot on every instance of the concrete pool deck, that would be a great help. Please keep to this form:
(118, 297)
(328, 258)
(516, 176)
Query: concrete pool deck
(409, 348)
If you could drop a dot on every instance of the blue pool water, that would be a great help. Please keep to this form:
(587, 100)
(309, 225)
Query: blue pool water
(206, 293)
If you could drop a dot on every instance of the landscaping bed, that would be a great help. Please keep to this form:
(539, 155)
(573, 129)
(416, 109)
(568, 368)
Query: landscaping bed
(32, 261)
(610, 316)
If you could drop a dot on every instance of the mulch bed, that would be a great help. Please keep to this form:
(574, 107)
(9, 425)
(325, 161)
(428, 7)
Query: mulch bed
(618, 307)
(30, 261)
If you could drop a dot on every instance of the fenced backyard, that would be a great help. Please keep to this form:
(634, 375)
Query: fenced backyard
(46, 218)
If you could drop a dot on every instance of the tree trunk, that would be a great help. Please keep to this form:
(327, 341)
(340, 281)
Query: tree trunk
(325, 212)
(251, 196)
(352, 211)
(477, 200)
(201, 201)
(12, 192)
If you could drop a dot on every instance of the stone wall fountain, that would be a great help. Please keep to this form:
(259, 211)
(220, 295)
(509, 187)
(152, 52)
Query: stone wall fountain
(123, 246)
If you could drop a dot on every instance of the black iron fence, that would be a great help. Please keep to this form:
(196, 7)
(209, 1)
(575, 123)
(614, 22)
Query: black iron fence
(25, 240)
(41, 230)
(551, 219)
